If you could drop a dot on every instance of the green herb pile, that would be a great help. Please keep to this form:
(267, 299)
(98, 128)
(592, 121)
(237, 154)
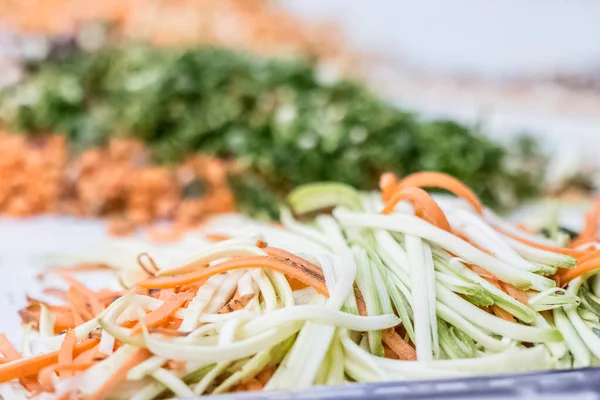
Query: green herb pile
(283, 123)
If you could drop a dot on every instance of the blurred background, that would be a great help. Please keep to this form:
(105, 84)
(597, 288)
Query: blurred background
(148, 111)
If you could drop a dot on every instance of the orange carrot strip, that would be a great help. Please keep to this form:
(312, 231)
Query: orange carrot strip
(442, 181)
(590, 229)
(3, 360)
(167, 309)
(387, 183)
(31, 366)
(289, 267)
(65, 353)
(120, 374)
(45, 379)
(589, 256)
(295, 284)
(45, 375)
(86, 356)
(79, 304)
(500, 313)
(403, 350)
(425, 206)
(166, 294)
(95, 304)
(568, 252)
(568, 275)
(213, 237)
(515, 293)
(287, 256)
(266, 374)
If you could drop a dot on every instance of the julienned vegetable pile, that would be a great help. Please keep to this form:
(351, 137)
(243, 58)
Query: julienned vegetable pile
(388, 286)
(285, 122)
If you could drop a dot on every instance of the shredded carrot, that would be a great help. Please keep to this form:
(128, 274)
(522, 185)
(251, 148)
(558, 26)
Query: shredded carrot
(45, 379)
(3, 360)
(151, 269)
(500, 313)
(24, 367)
(166, 310)
(89, 356)
(7, 349)
(266, 374)
(120, 374)
(166, 294)
(65, 354)
(95, 304)
(261, 243)
(567, 275)
(165, 235)
(287, 256)
(80, 307)
(403, 350)
(515, 293)
(425, 206)
(442, 181)
(360, 303)
(63, 319)
(589, 256)
(590, 230)
(295, 284)
(45, 375)
(213, 237)
(289, 267)
(387, 183)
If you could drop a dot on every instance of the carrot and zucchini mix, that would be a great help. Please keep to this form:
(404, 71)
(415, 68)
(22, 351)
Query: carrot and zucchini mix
(351, 287)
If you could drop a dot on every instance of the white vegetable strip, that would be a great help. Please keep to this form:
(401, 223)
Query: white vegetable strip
(420, 298)
(591, 340)
(542, 256)
(411, 225)
(494, 324)
(224, 292)
(250, 369)
(203, 296)
(173, 383)
(483, 235)
(207, 379)
(229, 352)
(476, 333)
(431, 298)
(577, 347)
(319, 314)
(266, 288)
(533, 359)
(288, 221)
(145, 368)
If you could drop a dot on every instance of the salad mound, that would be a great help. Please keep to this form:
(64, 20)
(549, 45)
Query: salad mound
(351, 287)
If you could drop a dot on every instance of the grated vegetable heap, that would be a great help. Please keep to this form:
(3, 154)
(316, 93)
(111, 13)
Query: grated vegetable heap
(389, 285)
